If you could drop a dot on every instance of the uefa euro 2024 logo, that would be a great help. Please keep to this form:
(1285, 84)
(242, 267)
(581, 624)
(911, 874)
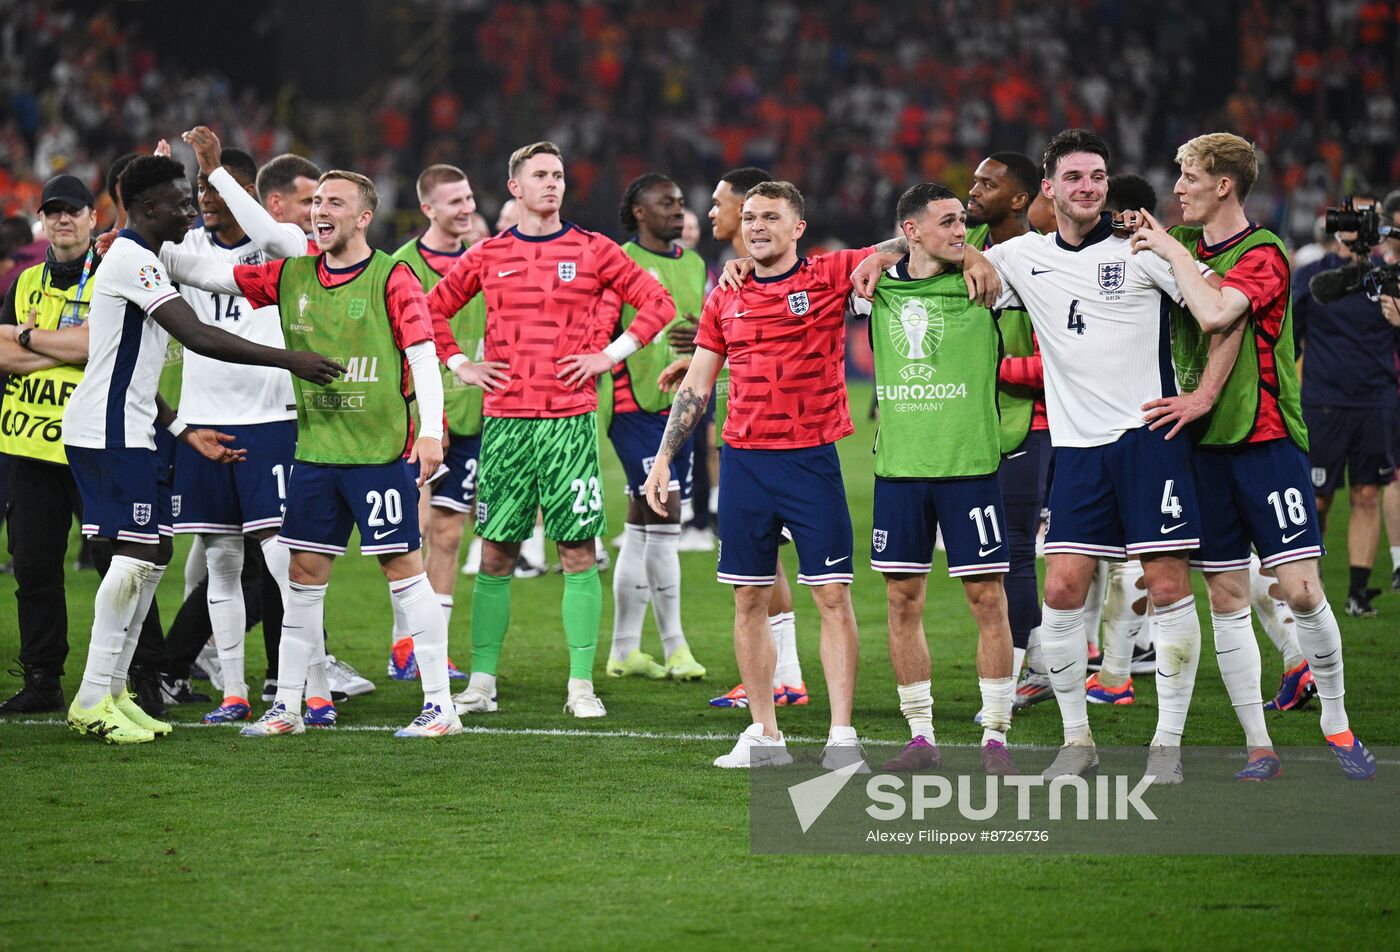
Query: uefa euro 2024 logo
(916, 336)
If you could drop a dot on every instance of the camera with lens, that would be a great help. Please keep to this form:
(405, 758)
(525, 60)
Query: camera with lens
(1369, 230)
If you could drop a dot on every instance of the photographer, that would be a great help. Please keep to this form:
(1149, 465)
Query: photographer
(1349, 400)
(1390, 308)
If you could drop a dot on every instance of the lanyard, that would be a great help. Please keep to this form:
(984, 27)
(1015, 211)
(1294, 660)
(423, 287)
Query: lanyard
(82, 283)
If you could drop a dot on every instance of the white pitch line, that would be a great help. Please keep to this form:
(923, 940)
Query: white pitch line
(639, 735)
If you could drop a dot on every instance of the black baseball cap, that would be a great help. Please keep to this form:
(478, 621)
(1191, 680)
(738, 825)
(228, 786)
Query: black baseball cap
(68, 189)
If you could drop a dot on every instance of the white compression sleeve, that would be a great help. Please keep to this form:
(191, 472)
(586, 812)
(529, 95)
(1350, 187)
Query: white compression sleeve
(198, 271)
(277, 239)
(427, 385)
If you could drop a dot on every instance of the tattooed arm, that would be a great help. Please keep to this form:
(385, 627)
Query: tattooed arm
(686, 413)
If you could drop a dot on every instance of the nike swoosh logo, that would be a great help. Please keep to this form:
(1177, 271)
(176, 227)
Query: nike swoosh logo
(1165, 530)
(380, 535)
(1327, 655)
(1065, 668)
(740, 313)
(1041, 271)
(1288, 539)
(1227, 651)
(1018, 455)
(502, 274)
(831, 562)
(584, 522)
(218, 601)
(983, 553)
(1164, 674)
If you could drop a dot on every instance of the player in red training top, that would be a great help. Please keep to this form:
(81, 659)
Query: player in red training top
(355, 440)
(783, 333)
(542, 280)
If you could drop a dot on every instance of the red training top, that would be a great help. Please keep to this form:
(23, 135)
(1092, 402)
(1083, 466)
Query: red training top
(785, 338)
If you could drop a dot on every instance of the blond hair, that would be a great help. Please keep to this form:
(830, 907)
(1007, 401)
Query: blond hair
(1224, 155)
(368, 195)
(526, 152)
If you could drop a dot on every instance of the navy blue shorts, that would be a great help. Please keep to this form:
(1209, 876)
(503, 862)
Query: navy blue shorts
(909, 511)
(125, 492)
(1257, 494)
(325, 502)
(763, 492)
(1129, 498)
(238, 497)
(456, 488)
(636, 436)
(1349, 446)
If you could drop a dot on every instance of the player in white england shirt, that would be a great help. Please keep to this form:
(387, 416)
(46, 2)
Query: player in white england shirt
(108, 431)
(255, 405)
(1120, 489)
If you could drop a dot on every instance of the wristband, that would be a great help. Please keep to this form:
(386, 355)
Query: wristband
(622, 348)
(455, 361)
(23, 338)
(177, 427)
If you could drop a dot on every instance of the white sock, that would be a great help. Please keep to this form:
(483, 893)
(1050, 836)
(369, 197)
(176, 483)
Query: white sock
(114, 610)
(841, 734)
(916, 704)
(486, 683)
(400, 627)
(303, 618)
(318, 682)
(788, 670)
(631, 590)
(1395, 557)
(418, 603)
(195, 568)
(1178, 653)
(445, 602)
(1237, 655)
(1066, 659)
(1121, 621)
(1321, 641)
(1275, 616)
(996, 707)
(227, 614)
(133, 635)
(278, 559)
(533, 547)
(1093, 604)
(663, 563)
(1035, 657)
(1018, 657)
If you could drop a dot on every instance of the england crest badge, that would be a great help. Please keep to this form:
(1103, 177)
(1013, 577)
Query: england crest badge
(880, 539)
(798, 303)
(141, 513)
(1112, 274)
(568, 270)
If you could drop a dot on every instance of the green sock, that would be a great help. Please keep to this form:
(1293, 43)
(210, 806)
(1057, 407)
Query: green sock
(582, 609)
(490, 619)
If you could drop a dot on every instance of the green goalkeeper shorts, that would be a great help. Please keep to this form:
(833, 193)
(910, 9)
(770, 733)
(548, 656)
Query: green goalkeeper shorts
(549, 464)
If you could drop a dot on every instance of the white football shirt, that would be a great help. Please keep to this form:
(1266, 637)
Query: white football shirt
(115, 403)
(215, 393)
(1100, 314)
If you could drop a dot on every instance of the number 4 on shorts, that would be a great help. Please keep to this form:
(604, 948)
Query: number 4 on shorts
(1171, 506)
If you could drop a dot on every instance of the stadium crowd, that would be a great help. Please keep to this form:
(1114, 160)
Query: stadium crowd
(852, 100)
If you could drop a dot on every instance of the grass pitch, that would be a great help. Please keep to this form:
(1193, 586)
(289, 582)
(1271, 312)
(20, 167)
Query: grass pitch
(617, 833)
